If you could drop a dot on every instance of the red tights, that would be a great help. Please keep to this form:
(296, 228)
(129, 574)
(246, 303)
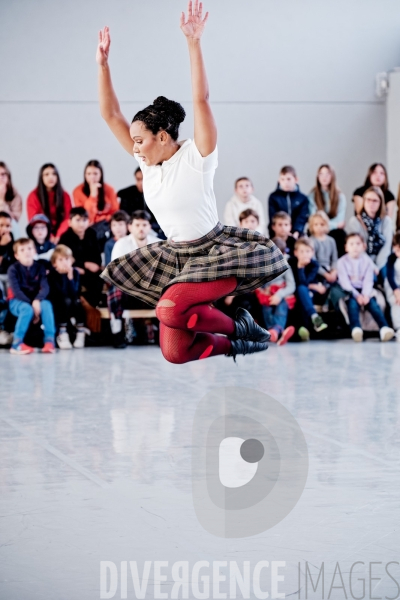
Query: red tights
(188, 321)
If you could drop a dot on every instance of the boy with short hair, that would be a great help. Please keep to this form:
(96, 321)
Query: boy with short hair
(281, 226)
(392, 284)
(288, 198)
(356, 276)
(243, 199)
(119, 229)
(39, 230)
(6, 242)
(83, 242)
(249, 219)
(65, 293)
(28, 291)
(305, 270)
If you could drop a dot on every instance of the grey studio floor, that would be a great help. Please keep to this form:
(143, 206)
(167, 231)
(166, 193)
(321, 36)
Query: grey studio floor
(96, 462)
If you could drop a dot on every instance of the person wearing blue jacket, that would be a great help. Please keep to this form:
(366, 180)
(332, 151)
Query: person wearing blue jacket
(308, 286)
(288, 198)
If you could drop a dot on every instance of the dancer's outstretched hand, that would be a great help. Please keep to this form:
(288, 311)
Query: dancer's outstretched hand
(104, 47)
(193, 27)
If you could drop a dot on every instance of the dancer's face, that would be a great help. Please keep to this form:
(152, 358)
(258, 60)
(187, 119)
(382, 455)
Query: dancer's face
(153, 149)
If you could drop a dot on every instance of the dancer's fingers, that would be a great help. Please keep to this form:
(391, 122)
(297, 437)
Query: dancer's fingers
(200, 10)
(182, 19)
(190, 14)
(205, 18)
(100, 36)
(196, 8)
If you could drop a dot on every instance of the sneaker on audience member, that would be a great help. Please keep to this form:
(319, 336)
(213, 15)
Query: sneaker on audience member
(304, 334)
(286, 335)
(386, 334)
(318, 323)
(63, 341)
(21, 349)
(49, 348)
(357, 334)
(5, 338)
(274, 335)
(80, 339)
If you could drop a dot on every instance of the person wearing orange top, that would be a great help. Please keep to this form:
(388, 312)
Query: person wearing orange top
(50, 199)
(98, 198)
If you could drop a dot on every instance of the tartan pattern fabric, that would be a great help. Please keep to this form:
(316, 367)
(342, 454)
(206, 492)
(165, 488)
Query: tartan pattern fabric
(223, 252)
(114, 302)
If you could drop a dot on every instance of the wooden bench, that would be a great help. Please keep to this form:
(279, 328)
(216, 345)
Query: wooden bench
(131, 314)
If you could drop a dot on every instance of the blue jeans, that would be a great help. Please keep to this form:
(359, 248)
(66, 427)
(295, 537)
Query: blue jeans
(25, 314)
(275, 317)
(306, 301)
(372, 307)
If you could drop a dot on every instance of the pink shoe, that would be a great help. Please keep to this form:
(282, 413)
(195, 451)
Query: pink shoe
(286, 335)
(274, 335)
(21, 349)
(49, 348)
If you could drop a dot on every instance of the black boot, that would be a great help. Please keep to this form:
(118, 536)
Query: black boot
(247, 329)
(245, 347)
(119, 340)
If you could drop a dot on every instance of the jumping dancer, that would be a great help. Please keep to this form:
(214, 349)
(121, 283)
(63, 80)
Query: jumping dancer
(202, 260)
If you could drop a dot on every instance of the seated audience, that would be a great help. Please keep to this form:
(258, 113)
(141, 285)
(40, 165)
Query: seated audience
(6, 242)
(281, 226)
(119, 229)
(243, 199)
(98, 199)
(10, 200)
(308, 287)
(324, 247)
(249, 219)
(376, 177)
(356, 277)
(326, 196)
(28, 291)
(65, 296)
(288, 198)
(5, 337)
(374, 226)
(132, 199)
(276, 298)
(140, 235)
(392, 284)
(50, 199)
(85, 249)
(39, 232)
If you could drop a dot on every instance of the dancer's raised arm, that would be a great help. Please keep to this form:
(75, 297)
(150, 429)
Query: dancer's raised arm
(205, 130)
(109, 105)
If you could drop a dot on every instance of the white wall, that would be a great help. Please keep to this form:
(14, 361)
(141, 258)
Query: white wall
(291, 82)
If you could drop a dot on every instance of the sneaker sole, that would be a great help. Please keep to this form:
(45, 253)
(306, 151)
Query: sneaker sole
(321, 327)
(357, 337)
(286, 337)
(387, 337)
(20, 352)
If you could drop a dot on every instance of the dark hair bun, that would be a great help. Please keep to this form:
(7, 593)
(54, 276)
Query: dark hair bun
(173, 109)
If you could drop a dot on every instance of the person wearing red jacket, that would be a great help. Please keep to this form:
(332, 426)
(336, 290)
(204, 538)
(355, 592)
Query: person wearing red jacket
(50, 199)
(98, 198)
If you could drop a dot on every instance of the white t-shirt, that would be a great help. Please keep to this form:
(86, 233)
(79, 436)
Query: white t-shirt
(180, 192)
(128, 244)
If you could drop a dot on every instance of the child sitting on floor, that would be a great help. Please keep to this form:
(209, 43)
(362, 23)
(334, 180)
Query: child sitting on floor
(281, 226)
(83, 242)
(276, 299)
(356, 276)
(392, 284)
(324, 246)
(119, 229)
(65, 293)
(308, 287)
(38, 231)
(28, 291)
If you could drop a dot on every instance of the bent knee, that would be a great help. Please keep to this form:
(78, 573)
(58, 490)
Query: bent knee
(173, 356)
(166, 312)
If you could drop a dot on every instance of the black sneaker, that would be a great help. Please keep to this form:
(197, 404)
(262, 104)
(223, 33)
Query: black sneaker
(245, 347)
(318, 323)
(247, 329)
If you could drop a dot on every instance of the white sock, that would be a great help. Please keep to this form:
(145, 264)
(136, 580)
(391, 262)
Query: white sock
(115, 324)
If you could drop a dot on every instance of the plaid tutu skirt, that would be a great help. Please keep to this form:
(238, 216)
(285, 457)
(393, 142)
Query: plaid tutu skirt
(223, 252)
